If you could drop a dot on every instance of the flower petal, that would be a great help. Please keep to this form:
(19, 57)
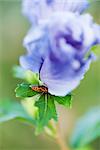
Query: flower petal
(36, 44)
(61, 79)
(30, 63)
(35, 9)
(70, 5)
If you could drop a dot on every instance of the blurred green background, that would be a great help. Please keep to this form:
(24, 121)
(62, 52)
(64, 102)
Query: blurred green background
(15, 135)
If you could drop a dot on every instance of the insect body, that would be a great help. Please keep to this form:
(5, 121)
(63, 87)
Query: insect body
(40, 89)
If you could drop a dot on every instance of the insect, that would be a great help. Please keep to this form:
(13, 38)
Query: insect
(40, 89)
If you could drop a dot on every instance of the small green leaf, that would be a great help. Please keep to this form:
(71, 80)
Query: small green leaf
(24, 90)
(18, 72)
(87, 129)
(66, 101)
(31, 77)
(84, 148)
(96, 49)
(29, 105)
(27, 75)
(51, 129)
(10, 109)
(47, 111)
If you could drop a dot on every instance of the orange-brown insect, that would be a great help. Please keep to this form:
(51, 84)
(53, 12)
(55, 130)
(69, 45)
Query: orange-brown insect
(40, 89)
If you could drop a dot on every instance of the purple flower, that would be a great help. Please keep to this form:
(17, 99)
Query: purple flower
(42, 9)
(57, 50)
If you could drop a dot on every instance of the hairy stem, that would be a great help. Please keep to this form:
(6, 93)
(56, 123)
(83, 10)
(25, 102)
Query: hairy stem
(60, 140)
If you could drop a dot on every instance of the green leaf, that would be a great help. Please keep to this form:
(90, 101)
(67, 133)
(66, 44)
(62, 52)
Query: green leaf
(31, 77)
(66, 101)
(27, 75)
(24, 90)
(51, 129)
(18, 72)
(29, 105)
(87, 129)
(10, 109)
(84, 148)
(96, 49)
(47, 111)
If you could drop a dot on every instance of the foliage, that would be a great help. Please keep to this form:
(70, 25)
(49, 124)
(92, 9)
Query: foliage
(65, 101)
(36, 108)
(84, 148)
(24, 90)
(44, 102)
(10, 109)
(87, 129)
(96, 50)
(26, 75)
(47, 111)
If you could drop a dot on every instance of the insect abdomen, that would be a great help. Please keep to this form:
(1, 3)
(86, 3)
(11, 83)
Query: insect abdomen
(40, 89)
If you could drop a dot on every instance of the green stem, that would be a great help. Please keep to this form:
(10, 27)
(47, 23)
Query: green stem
(60, 140)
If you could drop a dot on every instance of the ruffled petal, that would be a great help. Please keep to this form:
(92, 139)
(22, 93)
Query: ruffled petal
(36, 44)
(35, 41)
(70, 5)
(35, 9)
(31, 63)
(61, 79)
